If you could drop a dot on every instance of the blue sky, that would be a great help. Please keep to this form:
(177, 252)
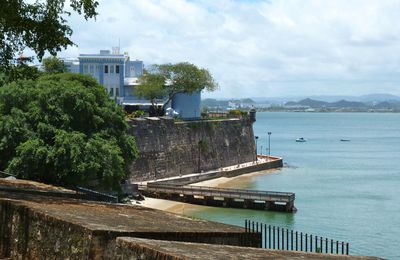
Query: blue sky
(258, 48)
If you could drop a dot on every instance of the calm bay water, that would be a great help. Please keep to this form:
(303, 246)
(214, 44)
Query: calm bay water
(344, 190)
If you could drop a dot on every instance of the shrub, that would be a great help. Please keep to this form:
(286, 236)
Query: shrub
(63, 129)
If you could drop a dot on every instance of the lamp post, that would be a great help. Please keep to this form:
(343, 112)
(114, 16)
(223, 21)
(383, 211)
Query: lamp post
(269, 145)
(256, 137)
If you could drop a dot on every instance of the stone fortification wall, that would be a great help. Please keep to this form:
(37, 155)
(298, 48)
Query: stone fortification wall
(42, 227)
(136, 248)
(169, 148)
(30, 235)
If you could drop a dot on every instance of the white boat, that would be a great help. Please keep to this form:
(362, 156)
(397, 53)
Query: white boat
(301, 140)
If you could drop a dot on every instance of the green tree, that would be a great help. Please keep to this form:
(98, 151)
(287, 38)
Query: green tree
(39, 25)
(187, 78)
(151, 86)
(21, 70)
(54, 65)
(170, 79)
(63, 129)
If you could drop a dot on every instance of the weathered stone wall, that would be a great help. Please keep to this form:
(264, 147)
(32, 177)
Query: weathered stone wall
(169, 148)
(29, 235)
(137, 248)
(40, 227)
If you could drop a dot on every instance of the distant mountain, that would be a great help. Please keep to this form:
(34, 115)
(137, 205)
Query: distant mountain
(248, 101)
(374, 98)
(308, 102)
(210, 102)
(384, 104)
(347, 104)
(378, 97)
(387, 105)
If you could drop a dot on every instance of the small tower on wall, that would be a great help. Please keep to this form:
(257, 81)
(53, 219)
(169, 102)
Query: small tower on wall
(252, 115)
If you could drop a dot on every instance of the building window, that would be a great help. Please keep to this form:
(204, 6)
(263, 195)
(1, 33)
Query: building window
(117, 92)
(112, 69)
(111, 93)
(85, 68)
(91, 69)
(105, 68)
(133, 72)
(117, 69)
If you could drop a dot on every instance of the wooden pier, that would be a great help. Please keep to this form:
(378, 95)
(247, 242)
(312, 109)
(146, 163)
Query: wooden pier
(219, 197)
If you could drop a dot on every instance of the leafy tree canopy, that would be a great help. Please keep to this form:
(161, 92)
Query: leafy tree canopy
(170, 79)
(39, 25)
(151, 86)
(54, 65)
(63, 129)
(18, 72)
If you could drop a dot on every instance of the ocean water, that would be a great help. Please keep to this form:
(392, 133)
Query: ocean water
(344, 190)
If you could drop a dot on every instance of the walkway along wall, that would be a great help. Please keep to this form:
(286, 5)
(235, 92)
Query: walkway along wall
(169, 148)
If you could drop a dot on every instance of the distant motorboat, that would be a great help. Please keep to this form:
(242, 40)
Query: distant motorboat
(345, 140)
(300, 140)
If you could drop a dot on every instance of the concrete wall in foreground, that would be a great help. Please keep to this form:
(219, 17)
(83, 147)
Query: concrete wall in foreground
(169, 148)
(26, 233)
(29, 235)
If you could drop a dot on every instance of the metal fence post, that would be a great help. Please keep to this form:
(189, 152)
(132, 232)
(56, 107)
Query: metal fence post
(306, 242)
(326, 245)
(273, 234)
(269, 236)
(278, 238)
(265, 235)
(291, 240)
(301, 241)
(287, 239)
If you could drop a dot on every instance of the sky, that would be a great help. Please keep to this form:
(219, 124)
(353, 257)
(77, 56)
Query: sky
(258, 48)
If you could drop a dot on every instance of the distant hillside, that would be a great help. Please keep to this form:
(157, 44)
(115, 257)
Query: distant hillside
(378, 98)
(210, 102)
(374, 97)
(347, 104)
(312, 103)
(372, 102)
(318, 104)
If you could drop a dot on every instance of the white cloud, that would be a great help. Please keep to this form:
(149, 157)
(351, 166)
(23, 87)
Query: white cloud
(253, 48)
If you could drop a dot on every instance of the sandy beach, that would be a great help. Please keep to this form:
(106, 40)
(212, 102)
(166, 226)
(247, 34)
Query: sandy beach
(223, 182)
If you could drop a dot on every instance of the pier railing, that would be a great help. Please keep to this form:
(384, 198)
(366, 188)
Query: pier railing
(221, 192)
(280, 238)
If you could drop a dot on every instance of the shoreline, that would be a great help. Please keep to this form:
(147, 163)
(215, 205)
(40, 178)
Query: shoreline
(176, 207)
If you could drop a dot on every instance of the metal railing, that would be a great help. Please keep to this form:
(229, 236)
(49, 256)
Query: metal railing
(94, 195)
(220, 192)
(6, 174)
(72, 192)
(280, 238)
